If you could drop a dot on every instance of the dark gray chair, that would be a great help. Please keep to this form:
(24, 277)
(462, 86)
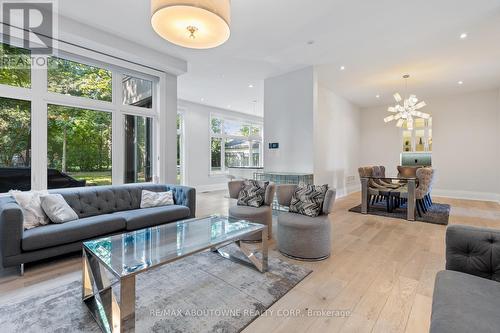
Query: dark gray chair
(262, 214)
(467, 294)
(302, 237)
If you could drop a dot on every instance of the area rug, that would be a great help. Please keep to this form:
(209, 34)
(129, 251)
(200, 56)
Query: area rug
(200, 293)
(437, 214)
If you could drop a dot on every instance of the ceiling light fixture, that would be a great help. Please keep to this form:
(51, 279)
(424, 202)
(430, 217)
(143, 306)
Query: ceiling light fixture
(196, 24)
(342, 68)
(250, 86)
(377, 96)
(460, 82)
(463, 35)
(408, 111)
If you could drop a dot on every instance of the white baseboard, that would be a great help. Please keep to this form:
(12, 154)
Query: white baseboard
(211, 187)
(467, 195)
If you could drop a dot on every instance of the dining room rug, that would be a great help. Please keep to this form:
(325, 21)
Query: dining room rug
(437, 213)
(200, 293)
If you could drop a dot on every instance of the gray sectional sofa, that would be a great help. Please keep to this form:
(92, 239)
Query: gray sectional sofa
(467, 294)
(101, 210)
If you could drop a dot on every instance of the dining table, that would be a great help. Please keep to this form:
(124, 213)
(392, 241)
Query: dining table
(406, 184)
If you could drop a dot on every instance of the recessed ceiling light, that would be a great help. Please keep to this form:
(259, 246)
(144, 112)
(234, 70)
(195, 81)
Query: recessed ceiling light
(460, 82)
(202, 99)
(377, 96)
(250, 86)
(342, 68)
(463, 35)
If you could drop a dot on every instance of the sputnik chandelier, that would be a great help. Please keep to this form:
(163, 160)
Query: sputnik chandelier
(408, 111)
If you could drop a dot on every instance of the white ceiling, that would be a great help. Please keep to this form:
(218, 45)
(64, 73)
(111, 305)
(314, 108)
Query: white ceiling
(377, 42)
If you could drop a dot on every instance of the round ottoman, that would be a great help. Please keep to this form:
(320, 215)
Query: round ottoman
(304, 238)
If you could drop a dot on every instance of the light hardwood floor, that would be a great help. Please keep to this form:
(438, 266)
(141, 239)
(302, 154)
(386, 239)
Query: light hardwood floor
(381, 270)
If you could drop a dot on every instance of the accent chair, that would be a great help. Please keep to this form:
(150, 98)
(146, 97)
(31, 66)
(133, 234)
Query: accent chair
(302, 237)
(262, 214)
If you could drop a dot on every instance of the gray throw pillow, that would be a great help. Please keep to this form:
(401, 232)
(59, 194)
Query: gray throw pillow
(308, 199)
(252, 193)
(57, 209)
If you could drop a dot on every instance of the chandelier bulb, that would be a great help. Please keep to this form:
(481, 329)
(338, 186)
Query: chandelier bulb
(192, 29)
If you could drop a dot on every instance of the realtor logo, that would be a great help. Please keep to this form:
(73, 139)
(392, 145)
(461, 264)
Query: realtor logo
(32, 22)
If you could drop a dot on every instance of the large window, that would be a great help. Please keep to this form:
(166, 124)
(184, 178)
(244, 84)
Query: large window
(180, 148)
(79, 144)
(15, 144)
(234, 144)
(138, 149)
(76, 79)
(74, 122)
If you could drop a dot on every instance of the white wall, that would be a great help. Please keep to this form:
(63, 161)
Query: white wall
(465, 143)
(337, 139)
(197, 145)
(288, 120)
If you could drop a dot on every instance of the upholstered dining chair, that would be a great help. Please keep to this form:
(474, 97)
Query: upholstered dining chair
(376, 191)
(262, 214)
(302, 237)
(425, 176)
(379, 172)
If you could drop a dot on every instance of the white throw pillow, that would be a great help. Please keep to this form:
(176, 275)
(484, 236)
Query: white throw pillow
(57, 209)
(33, 214)
(156, 199)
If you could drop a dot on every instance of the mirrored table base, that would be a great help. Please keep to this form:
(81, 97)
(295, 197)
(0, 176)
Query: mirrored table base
(115, 314)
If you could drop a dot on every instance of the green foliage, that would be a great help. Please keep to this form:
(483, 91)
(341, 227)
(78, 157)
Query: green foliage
(216, 153)
(216, 125)
(88, 139)
(247, 130)
(15, 69)
(14, 132)
(76, 79)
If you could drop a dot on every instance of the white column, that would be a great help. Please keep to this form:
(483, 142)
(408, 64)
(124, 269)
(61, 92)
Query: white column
(118, 132)
(167, 129)
(39, 124)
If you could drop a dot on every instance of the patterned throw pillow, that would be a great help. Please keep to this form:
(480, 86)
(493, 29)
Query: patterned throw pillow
(252, 193)
(156, 199)
(308, 199)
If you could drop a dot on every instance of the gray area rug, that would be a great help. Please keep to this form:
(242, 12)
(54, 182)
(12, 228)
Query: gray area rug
(437, 214)
(201, 293)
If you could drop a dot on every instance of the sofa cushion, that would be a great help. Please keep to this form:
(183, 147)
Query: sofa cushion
(254, 214)
(464, 303)
(97, 200)
(73, 231)
(149, 217)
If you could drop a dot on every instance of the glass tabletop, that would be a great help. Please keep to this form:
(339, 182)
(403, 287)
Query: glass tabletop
(137, 251)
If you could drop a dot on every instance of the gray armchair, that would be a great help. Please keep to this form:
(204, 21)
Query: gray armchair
(262, 215)
(302, 237)
(467, 294)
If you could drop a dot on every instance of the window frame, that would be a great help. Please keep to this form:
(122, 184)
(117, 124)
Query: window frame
(224, 136)
(40, 97)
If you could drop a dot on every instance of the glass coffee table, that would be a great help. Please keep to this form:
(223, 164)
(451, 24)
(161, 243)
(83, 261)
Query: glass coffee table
(116, 260)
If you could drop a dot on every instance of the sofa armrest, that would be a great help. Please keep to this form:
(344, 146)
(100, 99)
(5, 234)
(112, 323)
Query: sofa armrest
(11, 229)
(474, 251)
(184, 196)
